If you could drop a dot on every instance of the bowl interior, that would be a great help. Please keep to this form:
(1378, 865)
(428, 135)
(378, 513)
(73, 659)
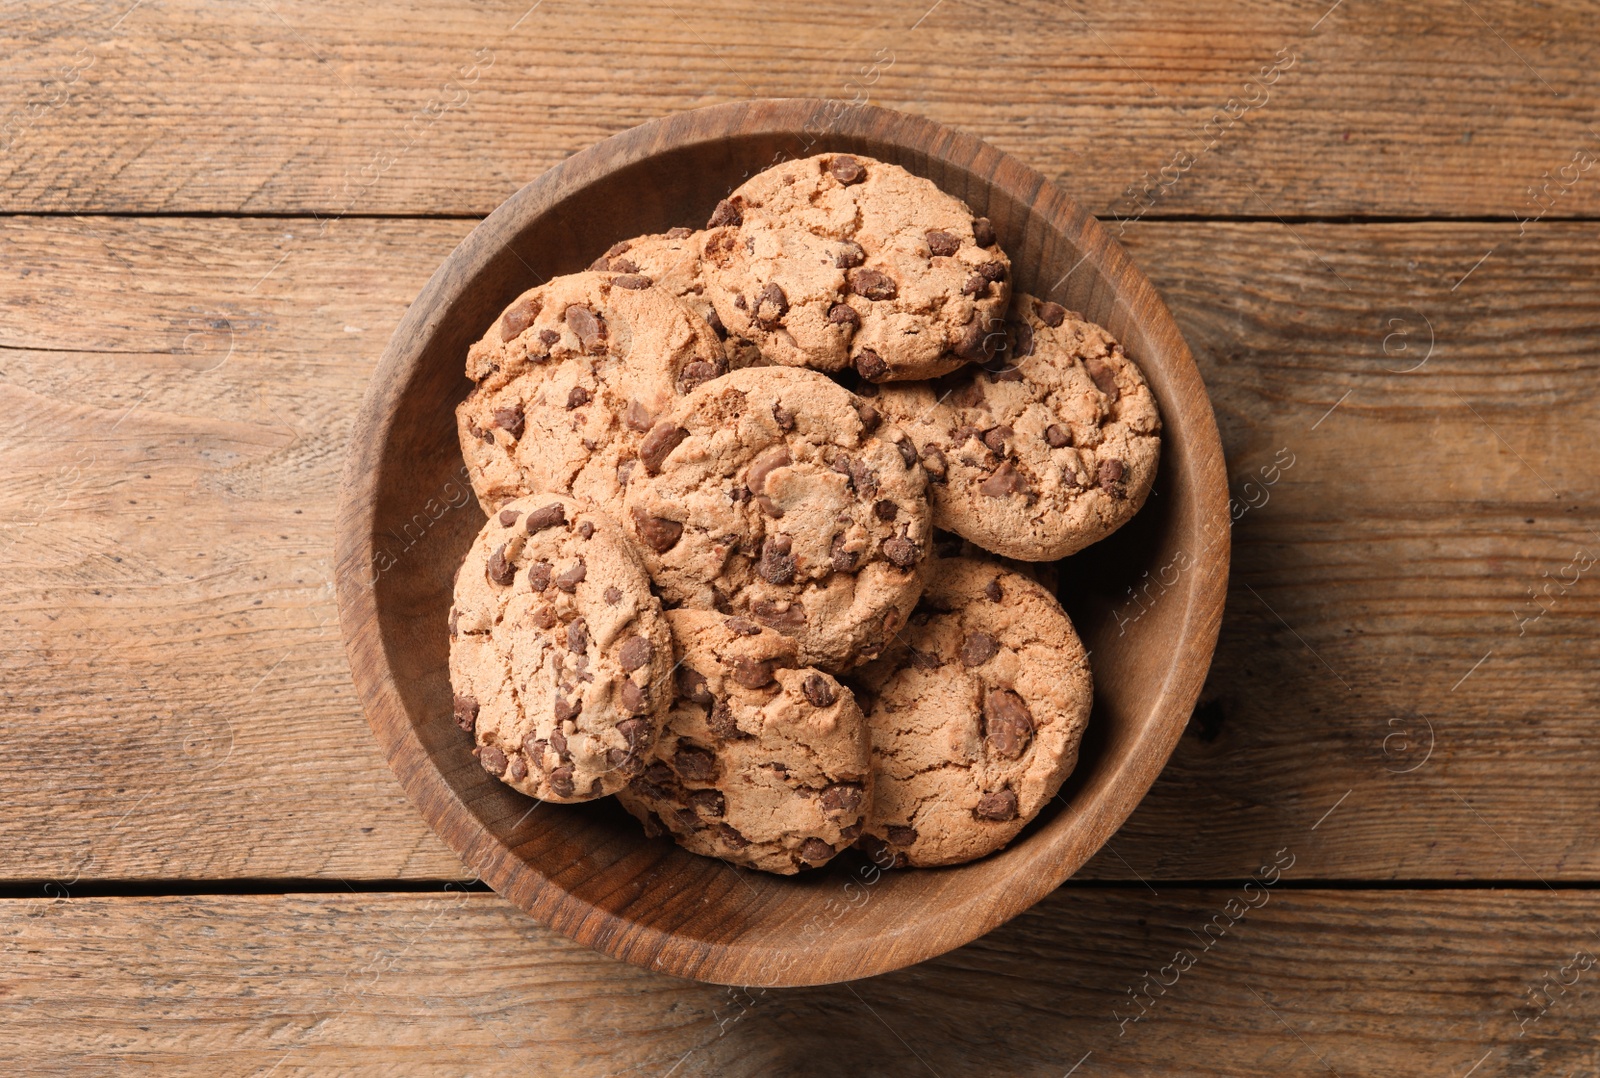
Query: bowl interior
(588, 870)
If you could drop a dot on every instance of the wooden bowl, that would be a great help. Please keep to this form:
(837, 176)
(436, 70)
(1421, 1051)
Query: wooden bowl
(407, 516)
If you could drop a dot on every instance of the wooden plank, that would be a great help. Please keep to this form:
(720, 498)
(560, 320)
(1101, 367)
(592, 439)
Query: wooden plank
(1265, 981)
(185, 711)
(302, 107)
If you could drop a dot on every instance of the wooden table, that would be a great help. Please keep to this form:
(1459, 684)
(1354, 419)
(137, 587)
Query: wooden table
(1375, 850)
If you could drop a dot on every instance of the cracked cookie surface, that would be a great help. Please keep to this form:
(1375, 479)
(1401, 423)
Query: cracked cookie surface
(840, 260)
(1052, 447)
(775, 494)
(559, 655)
(762, 761)
(570, 376)
(975, 716)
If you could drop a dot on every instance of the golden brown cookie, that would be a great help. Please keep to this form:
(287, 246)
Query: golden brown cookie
(975, 716)
(775, 494)
(1051, 448)
(762, 762)
(570, 377)
(840, 260)
(559, 656)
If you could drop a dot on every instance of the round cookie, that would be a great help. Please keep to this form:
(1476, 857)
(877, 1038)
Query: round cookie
(776, 494)
(570, 377)
(560, 658)
(836, 261)
(1051, 448)
(975, 716)
(762, 762)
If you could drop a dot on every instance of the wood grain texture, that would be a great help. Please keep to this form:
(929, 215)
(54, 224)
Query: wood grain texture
(1397, 547)
(1391, 983)
(181, 106)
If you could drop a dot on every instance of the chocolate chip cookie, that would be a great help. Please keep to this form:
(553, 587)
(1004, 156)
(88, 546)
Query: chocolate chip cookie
(570, 377)
(777, 495)
(975, 716)
(1049, 448)
(560, 658)
(763, 761)
(839, 260)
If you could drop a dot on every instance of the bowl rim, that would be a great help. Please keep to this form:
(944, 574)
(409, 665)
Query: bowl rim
(731, 961)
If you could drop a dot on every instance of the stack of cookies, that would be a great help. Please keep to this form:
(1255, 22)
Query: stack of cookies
(759, 497)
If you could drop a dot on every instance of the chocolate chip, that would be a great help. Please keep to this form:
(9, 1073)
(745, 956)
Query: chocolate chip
(625, 472)
(636, 732)
(815, 850)
(466, 711)
(1021, 346)
(995, 438)
(565, 709)
(518, 769)
(769, 507)
(455, 620)
(577, 397)
(1051, 314)
(698, 373)
(755, 477)
(982, 232)
(752, 673)
(851, 254)
(902, 552)
(771, 306)
(869, 416)
(635, 701)
(844, 560)
(540, 574)
(977, 342)
(508, 517)
(739, 302)
(847, 170)
(633, 281)
(992, 271)
(843, 796)
(819, 690)
(999, 806)
(493, 760)
(519, 318)
(933, 461)
(1104, 377)
(782, 416)
(612, 252)
(549, 336)
(715, 323)
(872, 284)
(901, 836)
(624, 761)
(870, 365)
(561, 781)
(708, 802)
(788, 619)
(991, 590)
(578, 636)
(842, 314)
(694, 764)
(732, 837)
(587, 325)
(569, 580)
(679, 233)
(545, 616)
(1007, 723)
(662, 439)
(1005, 480)
(976, 285)
(742, 626)
(886, 510)
(943, 243)
(777, 565)
(722, 723)
(511, 420)
(636, 651)
(500, 570)
(1110, 473)
(613, 596)
(978, 648)
(636, 416)
(924, 660)
(558, 742)
(692, 686)
(658, 533)
(547, 517)
(726, 213)
(585, 529)
(1056, 436)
